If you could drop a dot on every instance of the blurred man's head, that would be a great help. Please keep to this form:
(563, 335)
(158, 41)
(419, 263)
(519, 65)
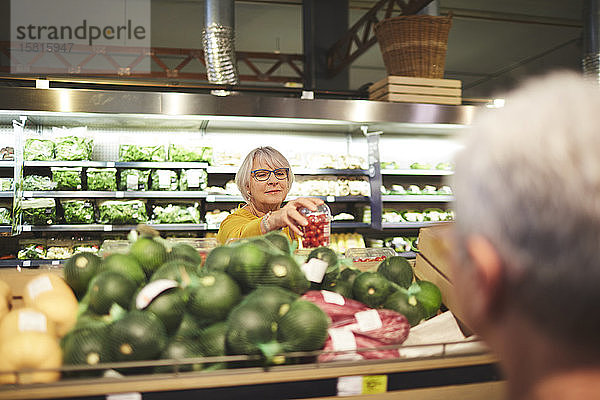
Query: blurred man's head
(527, 188)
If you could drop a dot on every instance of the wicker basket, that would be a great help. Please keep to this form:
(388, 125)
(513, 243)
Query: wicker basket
(414, 45)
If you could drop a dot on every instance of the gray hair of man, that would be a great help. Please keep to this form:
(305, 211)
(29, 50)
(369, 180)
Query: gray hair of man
(271, 157)
(528, 180)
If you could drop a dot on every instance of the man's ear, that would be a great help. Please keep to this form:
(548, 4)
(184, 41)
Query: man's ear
(488, 273)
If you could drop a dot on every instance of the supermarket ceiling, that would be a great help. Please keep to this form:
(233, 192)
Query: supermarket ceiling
(493, 44)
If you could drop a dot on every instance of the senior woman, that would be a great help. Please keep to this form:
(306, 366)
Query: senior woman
(264, 179)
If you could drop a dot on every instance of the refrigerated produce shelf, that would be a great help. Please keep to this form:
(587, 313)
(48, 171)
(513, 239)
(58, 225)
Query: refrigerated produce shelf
(7, 164)
(5, 194)
(117, 164)
(417, 172)
(117, 194)
(410, 225)
(297, 171)
(429, 198)
(349, 225)
(111, 228)
(29, 263)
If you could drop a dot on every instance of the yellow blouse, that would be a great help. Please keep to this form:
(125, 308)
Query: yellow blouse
(241, 224)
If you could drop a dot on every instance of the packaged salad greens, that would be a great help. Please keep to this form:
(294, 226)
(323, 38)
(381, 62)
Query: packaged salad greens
(78, 211)
(101, 178)
(134, 179)
(73, 148)
(39, 211)
(38, 150)
(67, 178)
(176, 214)
(190, 153)
(5, 216)
(38, 182)
(163, 179)
(6, 184)
(122, 212)
(132, 152)
(193, 179)
(32, 251)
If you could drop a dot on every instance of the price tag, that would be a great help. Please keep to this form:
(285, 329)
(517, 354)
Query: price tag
(55, 262)
(151, 290)
(119, 195)
(27, 263)
(314, 270)
(39, 286)
(349, 385)
(124, 396)
(374, 384)
(368, 320)
(26, 228)
(108, 228)
(110, 164)
(358, 385)
(32, 321)
(28, 194)
(331, 199)
(210, 198)
(333, 297)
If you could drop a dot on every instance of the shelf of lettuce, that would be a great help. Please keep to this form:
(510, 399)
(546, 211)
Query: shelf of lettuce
(116, 194)
(210, 198)
(416, 172)
(117, 164)
(7, 164)
(411, 225)
(111, 228)
(297, 171)
(411, 198)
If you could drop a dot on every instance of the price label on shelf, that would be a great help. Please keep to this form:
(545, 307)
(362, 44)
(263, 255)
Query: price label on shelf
(108, 228)
(119, 195)
(26, 228)
(124, 396)
(27, 263)
(55, 262)
(331, 199)
(110, 164)
(211, 198)
(28, 194)
(358, 385)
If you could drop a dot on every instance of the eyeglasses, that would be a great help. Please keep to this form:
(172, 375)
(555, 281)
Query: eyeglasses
(264, 174)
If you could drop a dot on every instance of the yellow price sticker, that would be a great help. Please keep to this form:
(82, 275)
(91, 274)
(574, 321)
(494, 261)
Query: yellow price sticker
(374, 384)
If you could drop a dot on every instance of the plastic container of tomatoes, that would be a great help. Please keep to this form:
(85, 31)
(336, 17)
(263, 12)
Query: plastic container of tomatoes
(318, 230)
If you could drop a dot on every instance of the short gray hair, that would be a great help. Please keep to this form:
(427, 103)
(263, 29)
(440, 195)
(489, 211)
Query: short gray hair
(528, 180)
(272, 157)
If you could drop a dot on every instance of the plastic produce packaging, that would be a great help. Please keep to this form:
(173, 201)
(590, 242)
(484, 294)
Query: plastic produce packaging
(193, 179)
(58, 253)
(132, 152)
(6, 184)
(134, 179)
(101, 179)
(38, 182)
(318, 230)
(176, 214)
(5, 216)
(38, 150)
(67, 178)
(73, 148)
(164, 179)
(39, 211)
(78, 211)
(32, 251)
(187, 153)
(122, 212)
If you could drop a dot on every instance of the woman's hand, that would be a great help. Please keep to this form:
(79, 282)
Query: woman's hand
(290, 216)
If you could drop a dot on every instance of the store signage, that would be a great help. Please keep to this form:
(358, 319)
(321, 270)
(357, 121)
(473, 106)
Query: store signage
(90, 37)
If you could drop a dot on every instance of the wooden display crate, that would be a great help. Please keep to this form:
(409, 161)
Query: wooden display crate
(433, 263)
(417, 90)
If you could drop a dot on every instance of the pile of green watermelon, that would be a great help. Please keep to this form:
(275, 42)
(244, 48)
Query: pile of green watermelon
(160, 302)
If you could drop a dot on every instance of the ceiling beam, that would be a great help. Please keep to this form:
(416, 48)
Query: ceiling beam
(361, 36)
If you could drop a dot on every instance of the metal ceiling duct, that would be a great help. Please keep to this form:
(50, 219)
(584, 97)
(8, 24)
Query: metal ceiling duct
(591, 40)
(218, 42)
